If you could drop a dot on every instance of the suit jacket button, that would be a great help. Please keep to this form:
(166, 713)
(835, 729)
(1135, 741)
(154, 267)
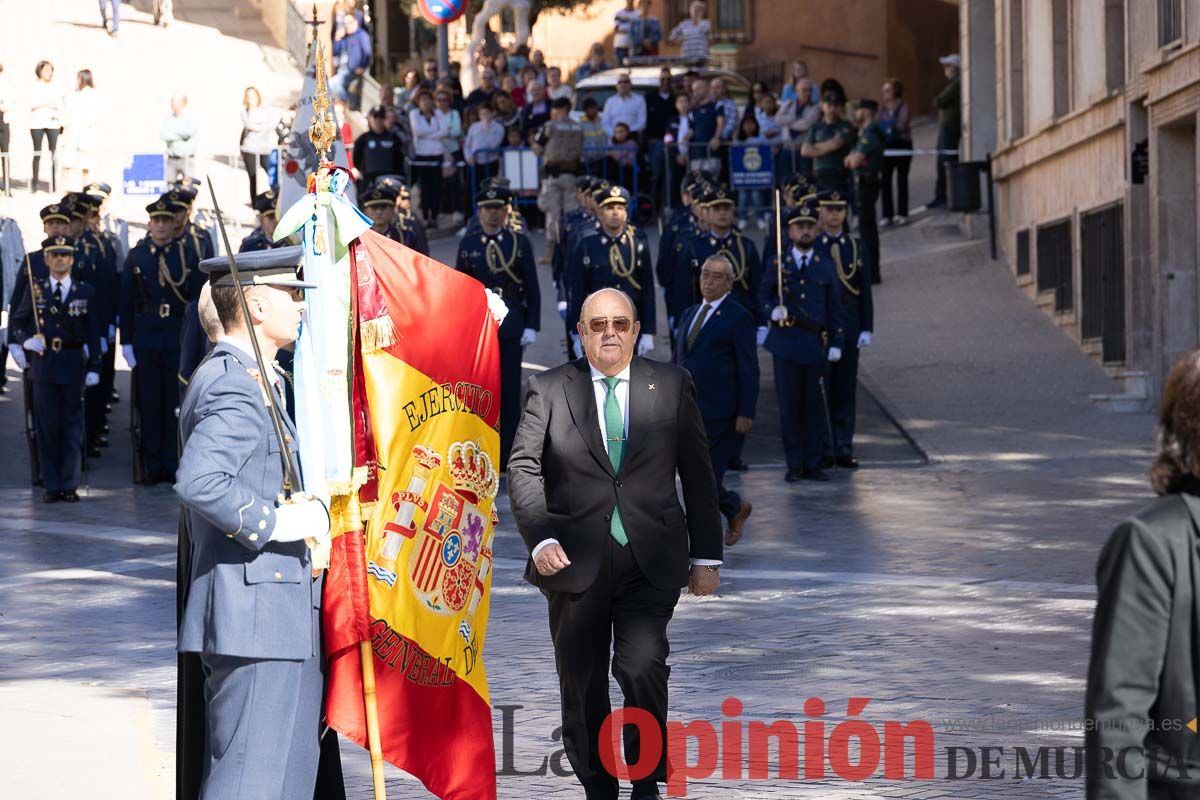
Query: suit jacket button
(253, 537)
(608, 517)
(278, 576)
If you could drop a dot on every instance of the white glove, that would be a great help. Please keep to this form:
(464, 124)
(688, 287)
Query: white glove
(127, 352)
(18, 355)
(91, 379)
(112, 333)
(103, 346)
(864, 339)
(645, 343)
(34, 345)
(528, 337)
(497, 306)
(562, 308)
(300, 520)
(761, 335)
(778, 314)
(835, 354)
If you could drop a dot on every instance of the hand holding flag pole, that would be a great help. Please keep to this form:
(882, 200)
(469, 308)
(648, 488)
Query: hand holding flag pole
(779, 256)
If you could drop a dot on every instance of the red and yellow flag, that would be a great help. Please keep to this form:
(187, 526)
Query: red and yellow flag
(428, 396)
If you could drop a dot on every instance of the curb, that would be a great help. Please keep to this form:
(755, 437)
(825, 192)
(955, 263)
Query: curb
(901, 421)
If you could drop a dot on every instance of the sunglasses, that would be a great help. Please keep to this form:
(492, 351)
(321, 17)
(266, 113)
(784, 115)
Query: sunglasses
(619, 324)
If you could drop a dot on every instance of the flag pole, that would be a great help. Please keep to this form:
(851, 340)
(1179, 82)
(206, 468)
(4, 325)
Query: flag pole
(321, 132)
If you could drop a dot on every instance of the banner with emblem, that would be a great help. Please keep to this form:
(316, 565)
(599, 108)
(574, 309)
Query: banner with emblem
(428, 391)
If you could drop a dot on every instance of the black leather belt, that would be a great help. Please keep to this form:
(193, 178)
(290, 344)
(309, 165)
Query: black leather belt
(57, 345)
(163, 310)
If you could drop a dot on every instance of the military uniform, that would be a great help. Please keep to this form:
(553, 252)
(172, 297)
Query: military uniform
(795, 191)
(504, 263)
(799, 345)
(411, 229)
(677, 233)
(156, 286)
(741, 252)
(64, 358)
(866, 189)
(382, 197)
(575, 223)
(601, 261)
(252, 606)
(53, 216)
(829, 171)
(853, 272)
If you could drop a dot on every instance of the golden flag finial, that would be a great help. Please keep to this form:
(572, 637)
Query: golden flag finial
(321, 130)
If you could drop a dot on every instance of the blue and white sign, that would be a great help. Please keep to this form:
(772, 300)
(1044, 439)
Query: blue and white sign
(146, 174)
(750, 167)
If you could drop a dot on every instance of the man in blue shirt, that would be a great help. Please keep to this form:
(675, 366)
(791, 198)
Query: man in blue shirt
(707, 121)
(353, 51)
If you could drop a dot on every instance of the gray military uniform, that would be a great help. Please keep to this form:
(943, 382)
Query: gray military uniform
(252, 607)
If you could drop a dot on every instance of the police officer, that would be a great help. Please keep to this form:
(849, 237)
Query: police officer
(252, 606)
(412, 229)
(96, 265)
(58, 327)
(56, 222)
(866, 160)
(378, 151)
(503, 261)
(379, 203)
(828, 144)
(617, 256)
(853, 272)
(157, 284)
(263, 237)
(806, 331)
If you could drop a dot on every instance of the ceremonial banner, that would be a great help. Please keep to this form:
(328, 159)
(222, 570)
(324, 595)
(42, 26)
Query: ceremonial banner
(429, 365)
(299, 158)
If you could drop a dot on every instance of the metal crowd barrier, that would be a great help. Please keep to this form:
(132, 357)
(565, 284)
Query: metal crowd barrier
(523, 168)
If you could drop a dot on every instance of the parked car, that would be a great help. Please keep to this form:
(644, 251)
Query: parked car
(603, 85)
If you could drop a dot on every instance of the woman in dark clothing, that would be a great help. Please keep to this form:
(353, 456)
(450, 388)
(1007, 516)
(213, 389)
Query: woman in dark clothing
(1145, 662)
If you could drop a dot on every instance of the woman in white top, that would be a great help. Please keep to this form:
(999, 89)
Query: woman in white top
(81, 129)
(258, 137)
(452, 147)
(428, 131)
(45, 121)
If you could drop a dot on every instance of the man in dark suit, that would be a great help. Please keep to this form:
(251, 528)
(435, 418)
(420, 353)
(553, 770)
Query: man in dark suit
(591, 481)
(715, 343)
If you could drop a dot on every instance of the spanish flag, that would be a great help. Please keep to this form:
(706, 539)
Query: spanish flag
(426, 405)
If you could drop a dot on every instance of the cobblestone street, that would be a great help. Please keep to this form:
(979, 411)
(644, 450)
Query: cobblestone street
(957, 592)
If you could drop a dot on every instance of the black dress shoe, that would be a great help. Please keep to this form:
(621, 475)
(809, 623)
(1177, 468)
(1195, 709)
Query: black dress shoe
(793, 475)
(814, 475)
(738, 465)
(826, 463)
(70, 496)
(847, 462)
(51, 497)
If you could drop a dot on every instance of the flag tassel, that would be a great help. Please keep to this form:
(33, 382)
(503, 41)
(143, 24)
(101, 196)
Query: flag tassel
(367, 656)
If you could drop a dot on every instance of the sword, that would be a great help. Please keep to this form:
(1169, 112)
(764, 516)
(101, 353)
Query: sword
(290, 479)
(828, 422)
(37, 321)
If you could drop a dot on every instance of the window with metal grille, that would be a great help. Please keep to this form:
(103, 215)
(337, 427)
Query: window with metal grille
(1023, 252)
(731, 16)
(1170, 22)
(1054, 268)
(1102, 280)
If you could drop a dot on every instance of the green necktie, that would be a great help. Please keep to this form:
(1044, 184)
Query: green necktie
(614, 427)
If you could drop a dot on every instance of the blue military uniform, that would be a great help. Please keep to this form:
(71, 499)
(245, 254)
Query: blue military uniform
(795, 191)
(799, 345)
(383, 196)
(576, 223)
(858, 309)
(157, 284)
(677, 234)
(504, 263)
(601, 261)
(716, 345)
(252, 606)
(411, 228)
(741, 252)
(69, 330)
(52, 215)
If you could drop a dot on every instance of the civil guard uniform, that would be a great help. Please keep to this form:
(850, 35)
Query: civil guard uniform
(35, 262)
(156, 286)
(677, 233)
(252, 607)
(799, 339)
(858, 309)
(622, 262)
(62, 360)
(575, 223)
(504, 263)
(798, 189)
(264, 206)
(198, 224)
(195, 237)
(829, 171)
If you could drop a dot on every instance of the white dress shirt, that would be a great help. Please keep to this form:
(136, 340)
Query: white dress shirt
(65, 283)
(802, 257)
(713, 305)
(631, 110)
(601, 394)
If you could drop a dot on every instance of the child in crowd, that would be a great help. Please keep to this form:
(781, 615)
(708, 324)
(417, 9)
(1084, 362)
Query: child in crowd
(753, 202)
